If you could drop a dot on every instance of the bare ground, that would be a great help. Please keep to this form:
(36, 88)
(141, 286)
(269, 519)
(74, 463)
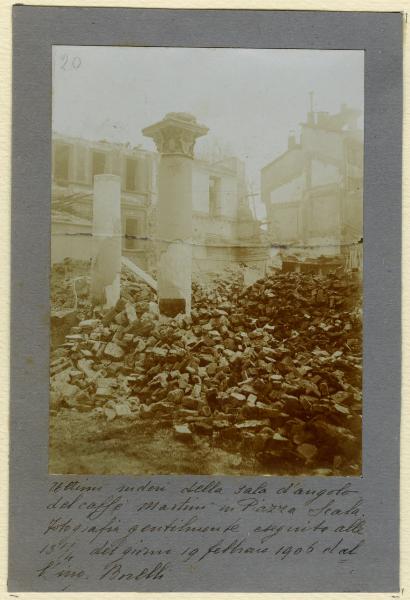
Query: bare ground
(82, 445)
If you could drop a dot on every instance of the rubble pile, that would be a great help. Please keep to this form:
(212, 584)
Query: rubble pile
(271, 372)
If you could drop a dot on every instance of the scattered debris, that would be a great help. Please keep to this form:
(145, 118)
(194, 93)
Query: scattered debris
(272, 370)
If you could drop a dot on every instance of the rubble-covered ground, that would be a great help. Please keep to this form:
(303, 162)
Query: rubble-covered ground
(263, 379)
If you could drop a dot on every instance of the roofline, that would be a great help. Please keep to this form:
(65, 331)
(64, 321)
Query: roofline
(288, 151)
(55, 135)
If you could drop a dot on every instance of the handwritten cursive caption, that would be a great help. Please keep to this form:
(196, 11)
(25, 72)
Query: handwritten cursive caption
(152, 531)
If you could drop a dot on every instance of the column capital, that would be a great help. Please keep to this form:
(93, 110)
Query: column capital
(176, 134)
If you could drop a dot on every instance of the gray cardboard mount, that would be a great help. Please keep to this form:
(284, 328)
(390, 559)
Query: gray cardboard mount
(35, 30)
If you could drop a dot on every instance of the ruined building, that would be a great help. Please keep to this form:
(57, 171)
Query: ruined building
(313, 192)
(224, 229)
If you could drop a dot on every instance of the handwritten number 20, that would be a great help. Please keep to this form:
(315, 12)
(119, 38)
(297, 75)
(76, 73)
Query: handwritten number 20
(70, 63)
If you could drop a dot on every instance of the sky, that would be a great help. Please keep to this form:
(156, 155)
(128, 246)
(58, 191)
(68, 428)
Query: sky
(249, 98)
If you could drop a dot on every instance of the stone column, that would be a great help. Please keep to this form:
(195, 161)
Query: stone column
(107, 240)
(175, 138)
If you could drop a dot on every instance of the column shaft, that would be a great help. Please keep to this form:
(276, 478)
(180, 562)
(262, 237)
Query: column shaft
(175, 234)
(107, 241)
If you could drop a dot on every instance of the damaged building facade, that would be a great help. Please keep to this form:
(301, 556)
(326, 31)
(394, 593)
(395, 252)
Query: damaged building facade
(224, 228)
(313, 192)
(75, 164)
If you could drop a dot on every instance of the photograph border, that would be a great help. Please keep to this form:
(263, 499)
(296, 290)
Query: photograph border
(379, 34)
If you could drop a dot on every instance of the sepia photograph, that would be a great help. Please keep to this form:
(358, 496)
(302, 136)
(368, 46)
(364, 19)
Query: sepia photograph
(206, 261)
